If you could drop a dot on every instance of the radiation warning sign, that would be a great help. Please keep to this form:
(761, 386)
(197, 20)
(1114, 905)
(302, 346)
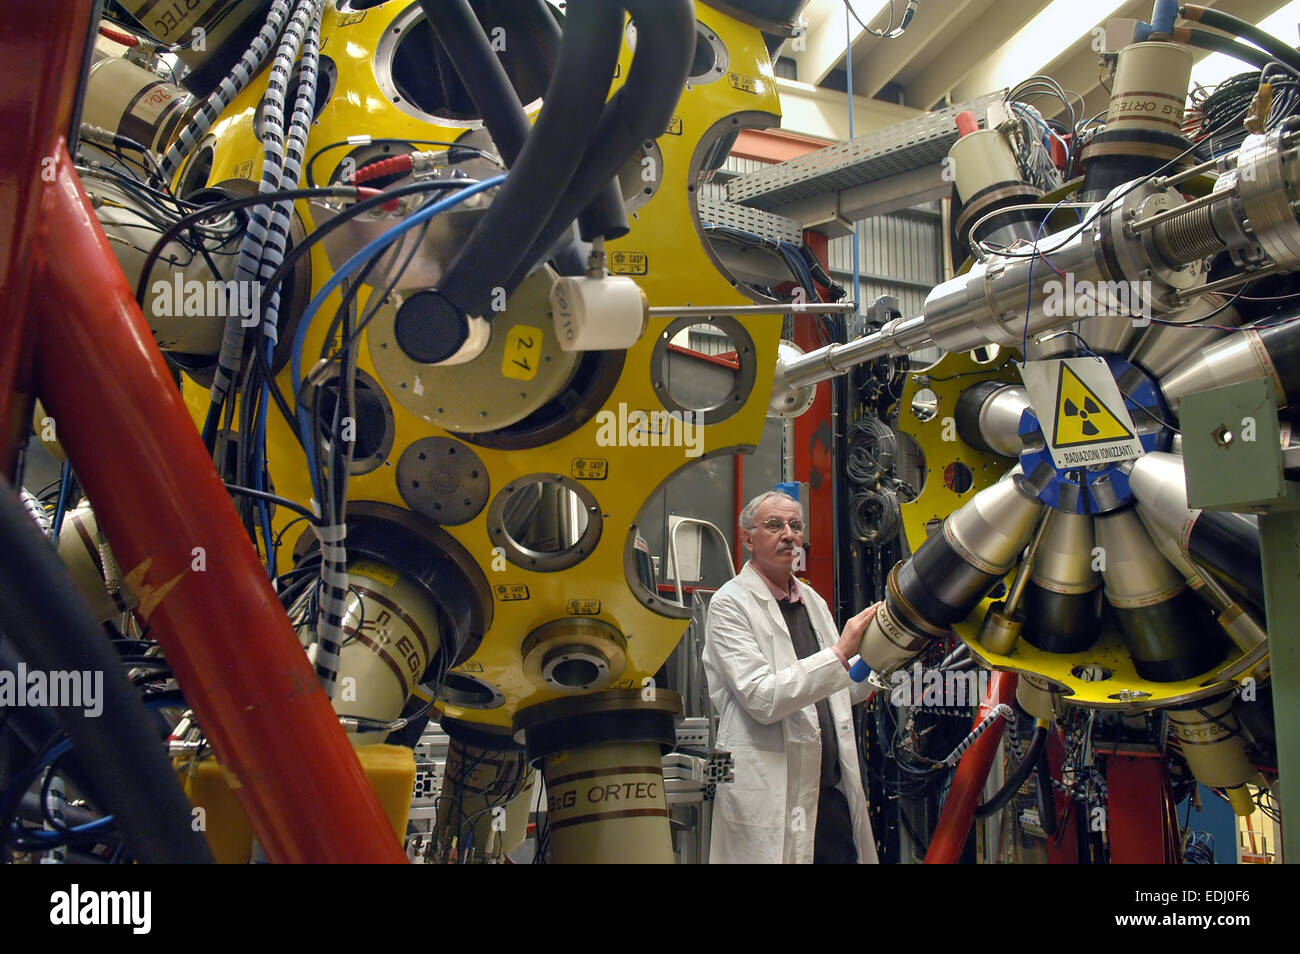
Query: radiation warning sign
(1081, 412)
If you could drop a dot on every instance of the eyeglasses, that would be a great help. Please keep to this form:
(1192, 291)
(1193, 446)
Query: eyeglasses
(774, 524)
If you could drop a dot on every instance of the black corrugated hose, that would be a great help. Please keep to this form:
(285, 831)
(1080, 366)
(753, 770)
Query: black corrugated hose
(551, 152)
(640, 110)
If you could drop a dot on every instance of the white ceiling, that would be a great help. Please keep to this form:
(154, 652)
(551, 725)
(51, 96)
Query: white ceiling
(962, 48)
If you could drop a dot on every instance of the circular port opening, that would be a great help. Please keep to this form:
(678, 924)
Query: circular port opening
(574, 670)
(469, 692)
(1091, 672)
(925, 405)
(545, 522)
(704, 367)
(640, 176)
(371, 428)
(416, 74)
(957, 477)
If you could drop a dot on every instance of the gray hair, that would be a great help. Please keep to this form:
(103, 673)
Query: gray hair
(747, 521)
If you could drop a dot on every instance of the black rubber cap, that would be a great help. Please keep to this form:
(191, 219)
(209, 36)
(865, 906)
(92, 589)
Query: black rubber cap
(429, 328)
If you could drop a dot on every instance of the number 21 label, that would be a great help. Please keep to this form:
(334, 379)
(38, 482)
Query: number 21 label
(523, 353)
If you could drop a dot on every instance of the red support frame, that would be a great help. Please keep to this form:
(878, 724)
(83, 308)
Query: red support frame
(1138, 791)
(972, 771)
(75, 336)
(814, 454)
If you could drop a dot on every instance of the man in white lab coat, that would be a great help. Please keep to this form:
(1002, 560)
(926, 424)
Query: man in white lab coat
(778, 679)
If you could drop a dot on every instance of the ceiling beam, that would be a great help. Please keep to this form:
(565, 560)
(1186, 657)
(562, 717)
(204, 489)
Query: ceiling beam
(1021, 55)
(821, 47)
(935, 26)
(930, 80)
(820, 50)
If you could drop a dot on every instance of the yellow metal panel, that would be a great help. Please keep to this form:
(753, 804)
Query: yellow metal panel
(390, 768)
(664, 252)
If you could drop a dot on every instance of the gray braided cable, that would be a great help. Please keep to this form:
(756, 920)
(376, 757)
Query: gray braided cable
(250, 250)
(277, 240)
(36, 510)
(1000, 711)
(332, 604)
(55, 803)
(249, 65)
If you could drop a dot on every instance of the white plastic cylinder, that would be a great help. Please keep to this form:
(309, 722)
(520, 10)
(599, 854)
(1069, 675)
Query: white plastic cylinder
(598, 314)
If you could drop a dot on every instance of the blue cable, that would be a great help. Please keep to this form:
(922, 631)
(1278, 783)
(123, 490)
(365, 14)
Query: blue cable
(65, 489)
(259, 449)
(368, 251)
(1029, 280)
(10, 801)
(89, 828)
(1052, 133)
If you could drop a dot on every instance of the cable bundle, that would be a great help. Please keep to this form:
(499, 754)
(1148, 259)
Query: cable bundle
(874, 515)
(1222, 111)
(872, 449)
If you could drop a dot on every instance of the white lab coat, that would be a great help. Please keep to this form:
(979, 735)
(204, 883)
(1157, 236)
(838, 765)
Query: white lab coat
(765, 697)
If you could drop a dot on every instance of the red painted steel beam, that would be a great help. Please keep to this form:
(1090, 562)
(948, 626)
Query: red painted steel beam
(49, 41)
(175, 532)
(1137, 809)
(972, 771)
(814, 454)
(775, 145)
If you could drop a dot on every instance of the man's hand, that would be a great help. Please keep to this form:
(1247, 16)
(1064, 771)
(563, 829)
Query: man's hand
(851, 638)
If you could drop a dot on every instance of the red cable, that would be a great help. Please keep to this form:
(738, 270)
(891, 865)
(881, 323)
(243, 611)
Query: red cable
(117, 36)
(384, 167)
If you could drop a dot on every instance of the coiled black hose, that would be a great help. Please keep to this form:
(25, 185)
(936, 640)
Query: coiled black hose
(640, 110)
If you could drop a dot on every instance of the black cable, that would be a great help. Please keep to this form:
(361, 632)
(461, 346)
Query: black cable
(466, 45)
(1017, 778)
(1046, 803)
(455, 150)
(291, 260)
(231, 205)
(890, 32)
(499, 246)
(1220, 20)
(272, 498)
(1206, 40)
(638, 111)
(52, 629)
(1100, 208)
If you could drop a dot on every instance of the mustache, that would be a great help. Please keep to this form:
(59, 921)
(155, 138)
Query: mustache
(786, 545)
